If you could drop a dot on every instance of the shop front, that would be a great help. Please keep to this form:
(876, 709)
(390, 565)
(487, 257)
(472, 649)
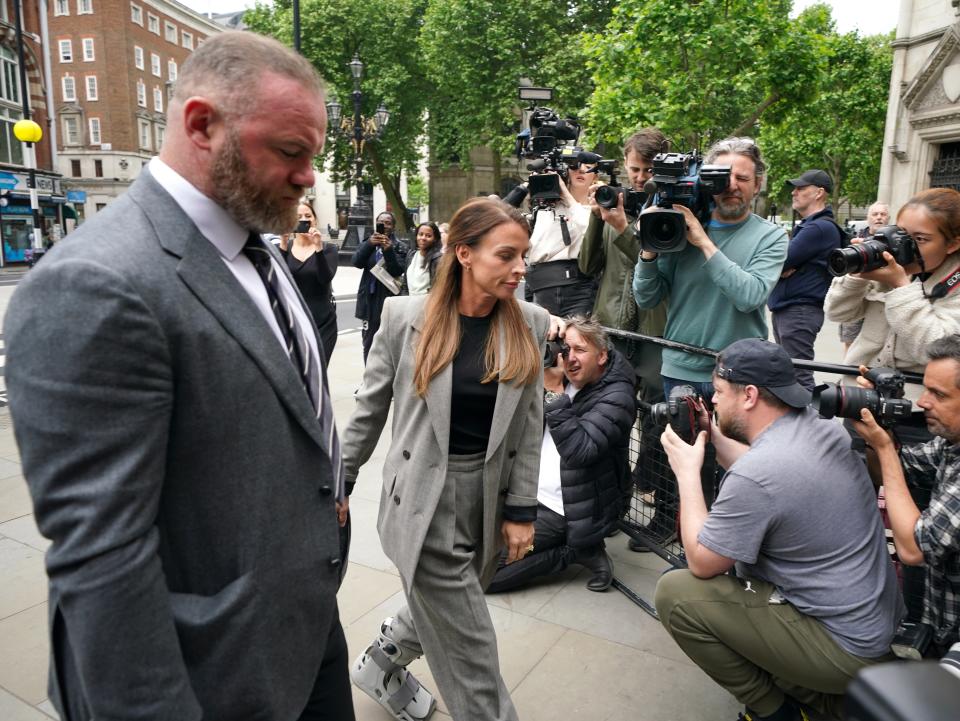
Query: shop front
(16, 215)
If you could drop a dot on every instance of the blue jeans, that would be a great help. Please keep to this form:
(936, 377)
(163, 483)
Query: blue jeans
(703, 388)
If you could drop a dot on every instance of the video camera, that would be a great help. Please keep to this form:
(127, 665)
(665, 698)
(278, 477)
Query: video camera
(868, 255)
(885, 401)
(680, 179)
(681, 411)
(608, 195)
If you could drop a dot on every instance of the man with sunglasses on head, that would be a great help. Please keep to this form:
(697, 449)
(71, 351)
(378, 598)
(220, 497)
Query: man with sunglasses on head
(815, 595)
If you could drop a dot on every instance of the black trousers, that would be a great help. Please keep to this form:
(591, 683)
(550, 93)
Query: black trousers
(551, 554)
(795, 328)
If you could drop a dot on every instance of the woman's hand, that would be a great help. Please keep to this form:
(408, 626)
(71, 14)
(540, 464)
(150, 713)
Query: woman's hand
(518, 538)
(316, 238)
(892, 274)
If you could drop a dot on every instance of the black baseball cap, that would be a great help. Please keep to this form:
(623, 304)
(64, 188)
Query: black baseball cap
(763, 364)
(813, 177)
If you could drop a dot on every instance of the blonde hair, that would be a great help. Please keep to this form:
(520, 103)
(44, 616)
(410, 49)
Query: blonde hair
(520, 360)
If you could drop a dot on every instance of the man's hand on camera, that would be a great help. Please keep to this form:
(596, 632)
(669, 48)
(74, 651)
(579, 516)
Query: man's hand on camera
(870, 431)
(616, 218)
(862, 380)
(558, 326)
(696, 235)
(892, 274)
(685, 459)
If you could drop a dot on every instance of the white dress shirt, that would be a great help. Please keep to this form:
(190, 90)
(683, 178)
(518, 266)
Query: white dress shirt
(223, 232)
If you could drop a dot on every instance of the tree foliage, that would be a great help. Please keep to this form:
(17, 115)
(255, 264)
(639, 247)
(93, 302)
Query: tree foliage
(699, 69)
(840, 129)
(476, 52)
(384, 35)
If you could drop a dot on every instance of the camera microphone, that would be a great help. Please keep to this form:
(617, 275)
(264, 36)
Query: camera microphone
(537, 165)
(650, 188)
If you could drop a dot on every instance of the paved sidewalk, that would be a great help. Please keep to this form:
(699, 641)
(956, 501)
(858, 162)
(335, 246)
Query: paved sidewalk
(566, 653)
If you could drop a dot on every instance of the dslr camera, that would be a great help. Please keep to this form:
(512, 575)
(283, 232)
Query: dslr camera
(885, 401)
(681, 412)
(554, 349)
(607, 196)
(681, 179)
(868, 255)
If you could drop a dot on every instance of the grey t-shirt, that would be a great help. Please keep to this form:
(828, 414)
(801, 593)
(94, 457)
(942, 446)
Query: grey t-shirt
(798, 510)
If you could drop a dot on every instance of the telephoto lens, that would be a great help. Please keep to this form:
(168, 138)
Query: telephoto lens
(857, 258)
(833, 400)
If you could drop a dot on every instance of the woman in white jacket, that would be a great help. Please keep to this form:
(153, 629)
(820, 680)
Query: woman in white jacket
(905, 308)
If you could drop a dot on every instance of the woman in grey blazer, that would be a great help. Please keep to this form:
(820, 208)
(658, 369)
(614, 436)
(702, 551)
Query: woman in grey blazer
(463, 367)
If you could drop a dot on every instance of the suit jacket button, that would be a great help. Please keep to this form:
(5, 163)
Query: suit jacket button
(334, 563)
(396, 500)
(325, 490)
(504, 491)
(511, 454)
(406, 455)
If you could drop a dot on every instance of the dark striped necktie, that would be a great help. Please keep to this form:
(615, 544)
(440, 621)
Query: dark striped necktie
(299, 351)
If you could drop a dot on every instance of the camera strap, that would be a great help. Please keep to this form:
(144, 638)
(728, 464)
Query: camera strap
(946, 286)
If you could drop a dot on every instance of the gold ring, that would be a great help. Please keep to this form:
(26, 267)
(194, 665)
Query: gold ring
(530, 548)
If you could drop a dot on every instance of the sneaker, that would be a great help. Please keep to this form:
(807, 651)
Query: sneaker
(789, 711)
(655, 534)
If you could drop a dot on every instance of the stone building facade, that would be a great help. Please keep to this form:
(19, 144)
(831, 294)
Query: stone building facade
(922, 137)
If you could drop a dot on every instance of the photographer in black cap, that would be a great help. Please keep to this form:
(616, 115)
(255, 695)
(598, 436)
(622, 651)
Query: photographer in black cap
(815, 595)
(796, 301)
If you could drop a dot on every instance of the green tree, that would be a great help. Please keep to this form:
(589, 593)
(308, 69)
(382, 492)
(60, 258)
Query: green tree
(840, 130)
(384, 36)
(477, 51)
(699, 69)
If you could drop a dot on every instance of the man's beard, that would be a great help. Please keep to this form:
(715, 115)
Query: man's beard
(253, 207)
(733, 429)
(726, 212)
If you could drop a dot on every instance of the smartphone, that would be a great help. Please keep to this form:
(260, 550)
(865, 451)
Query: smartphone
(303, 226)
(380, 229)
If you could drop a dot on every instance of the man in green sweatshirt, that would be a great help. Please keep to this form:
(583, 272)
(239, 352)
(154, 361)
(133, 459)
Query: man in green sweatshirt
(719, 282)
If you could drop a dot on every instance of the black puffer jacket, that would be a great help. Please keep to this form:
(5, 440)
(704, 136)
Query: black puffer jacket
(592, 434)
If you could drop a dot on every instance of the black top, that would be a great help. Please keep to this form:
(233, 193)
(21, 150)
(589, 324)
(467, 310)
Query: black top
(472, 404)
(314, 277)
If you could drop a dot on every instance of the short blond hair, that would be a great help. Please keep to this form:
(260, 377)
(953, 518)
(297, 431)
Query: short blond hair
(226, 65)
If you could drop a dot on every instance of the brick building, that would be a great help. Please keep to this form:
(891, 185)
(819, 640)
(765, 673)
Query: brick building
(16, 220)
(113, 62)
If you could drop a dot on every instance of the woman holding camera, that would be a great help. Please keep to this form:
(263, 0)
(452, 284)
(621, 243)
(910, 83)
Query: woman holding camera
(554, 275)
(422, 265)
(905, 308)
(313, 264)
(462, 369)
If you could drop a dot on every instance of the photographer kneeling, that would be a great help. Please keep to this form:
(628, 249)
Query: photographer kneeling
(588, 412)
(815, 595)
(929, 538)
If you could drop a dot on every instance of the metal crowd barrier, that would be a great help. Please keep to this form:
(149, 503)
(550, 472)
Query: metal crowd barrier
(651, 516)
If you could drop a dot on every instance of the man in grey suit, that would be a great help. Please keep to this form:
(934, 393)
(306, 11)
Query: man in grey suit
(185, 469)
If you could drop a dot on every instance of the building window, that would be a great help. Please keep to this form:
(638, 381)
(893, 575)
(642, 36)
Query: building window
(138, 57)
(98, 168)
(69, 89)
(187, 39)
(75, 168)
(71, 130)
(153, 24)
(84, 7)
(159, 130)
(171, 70)
(136, 14)
(144, 134)
(155, 64)
(61, 7)
(88, 53)
(10, 81)
(91, 87)
(101, 206)
(157, 99)
(66, 51)
(94, 131)
(170, 32)
(11, 149)
(141, 94)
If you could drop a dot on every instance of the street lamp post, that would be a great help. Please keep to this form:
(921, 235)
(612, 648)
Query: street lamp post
(359, 130)
(29, 133)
